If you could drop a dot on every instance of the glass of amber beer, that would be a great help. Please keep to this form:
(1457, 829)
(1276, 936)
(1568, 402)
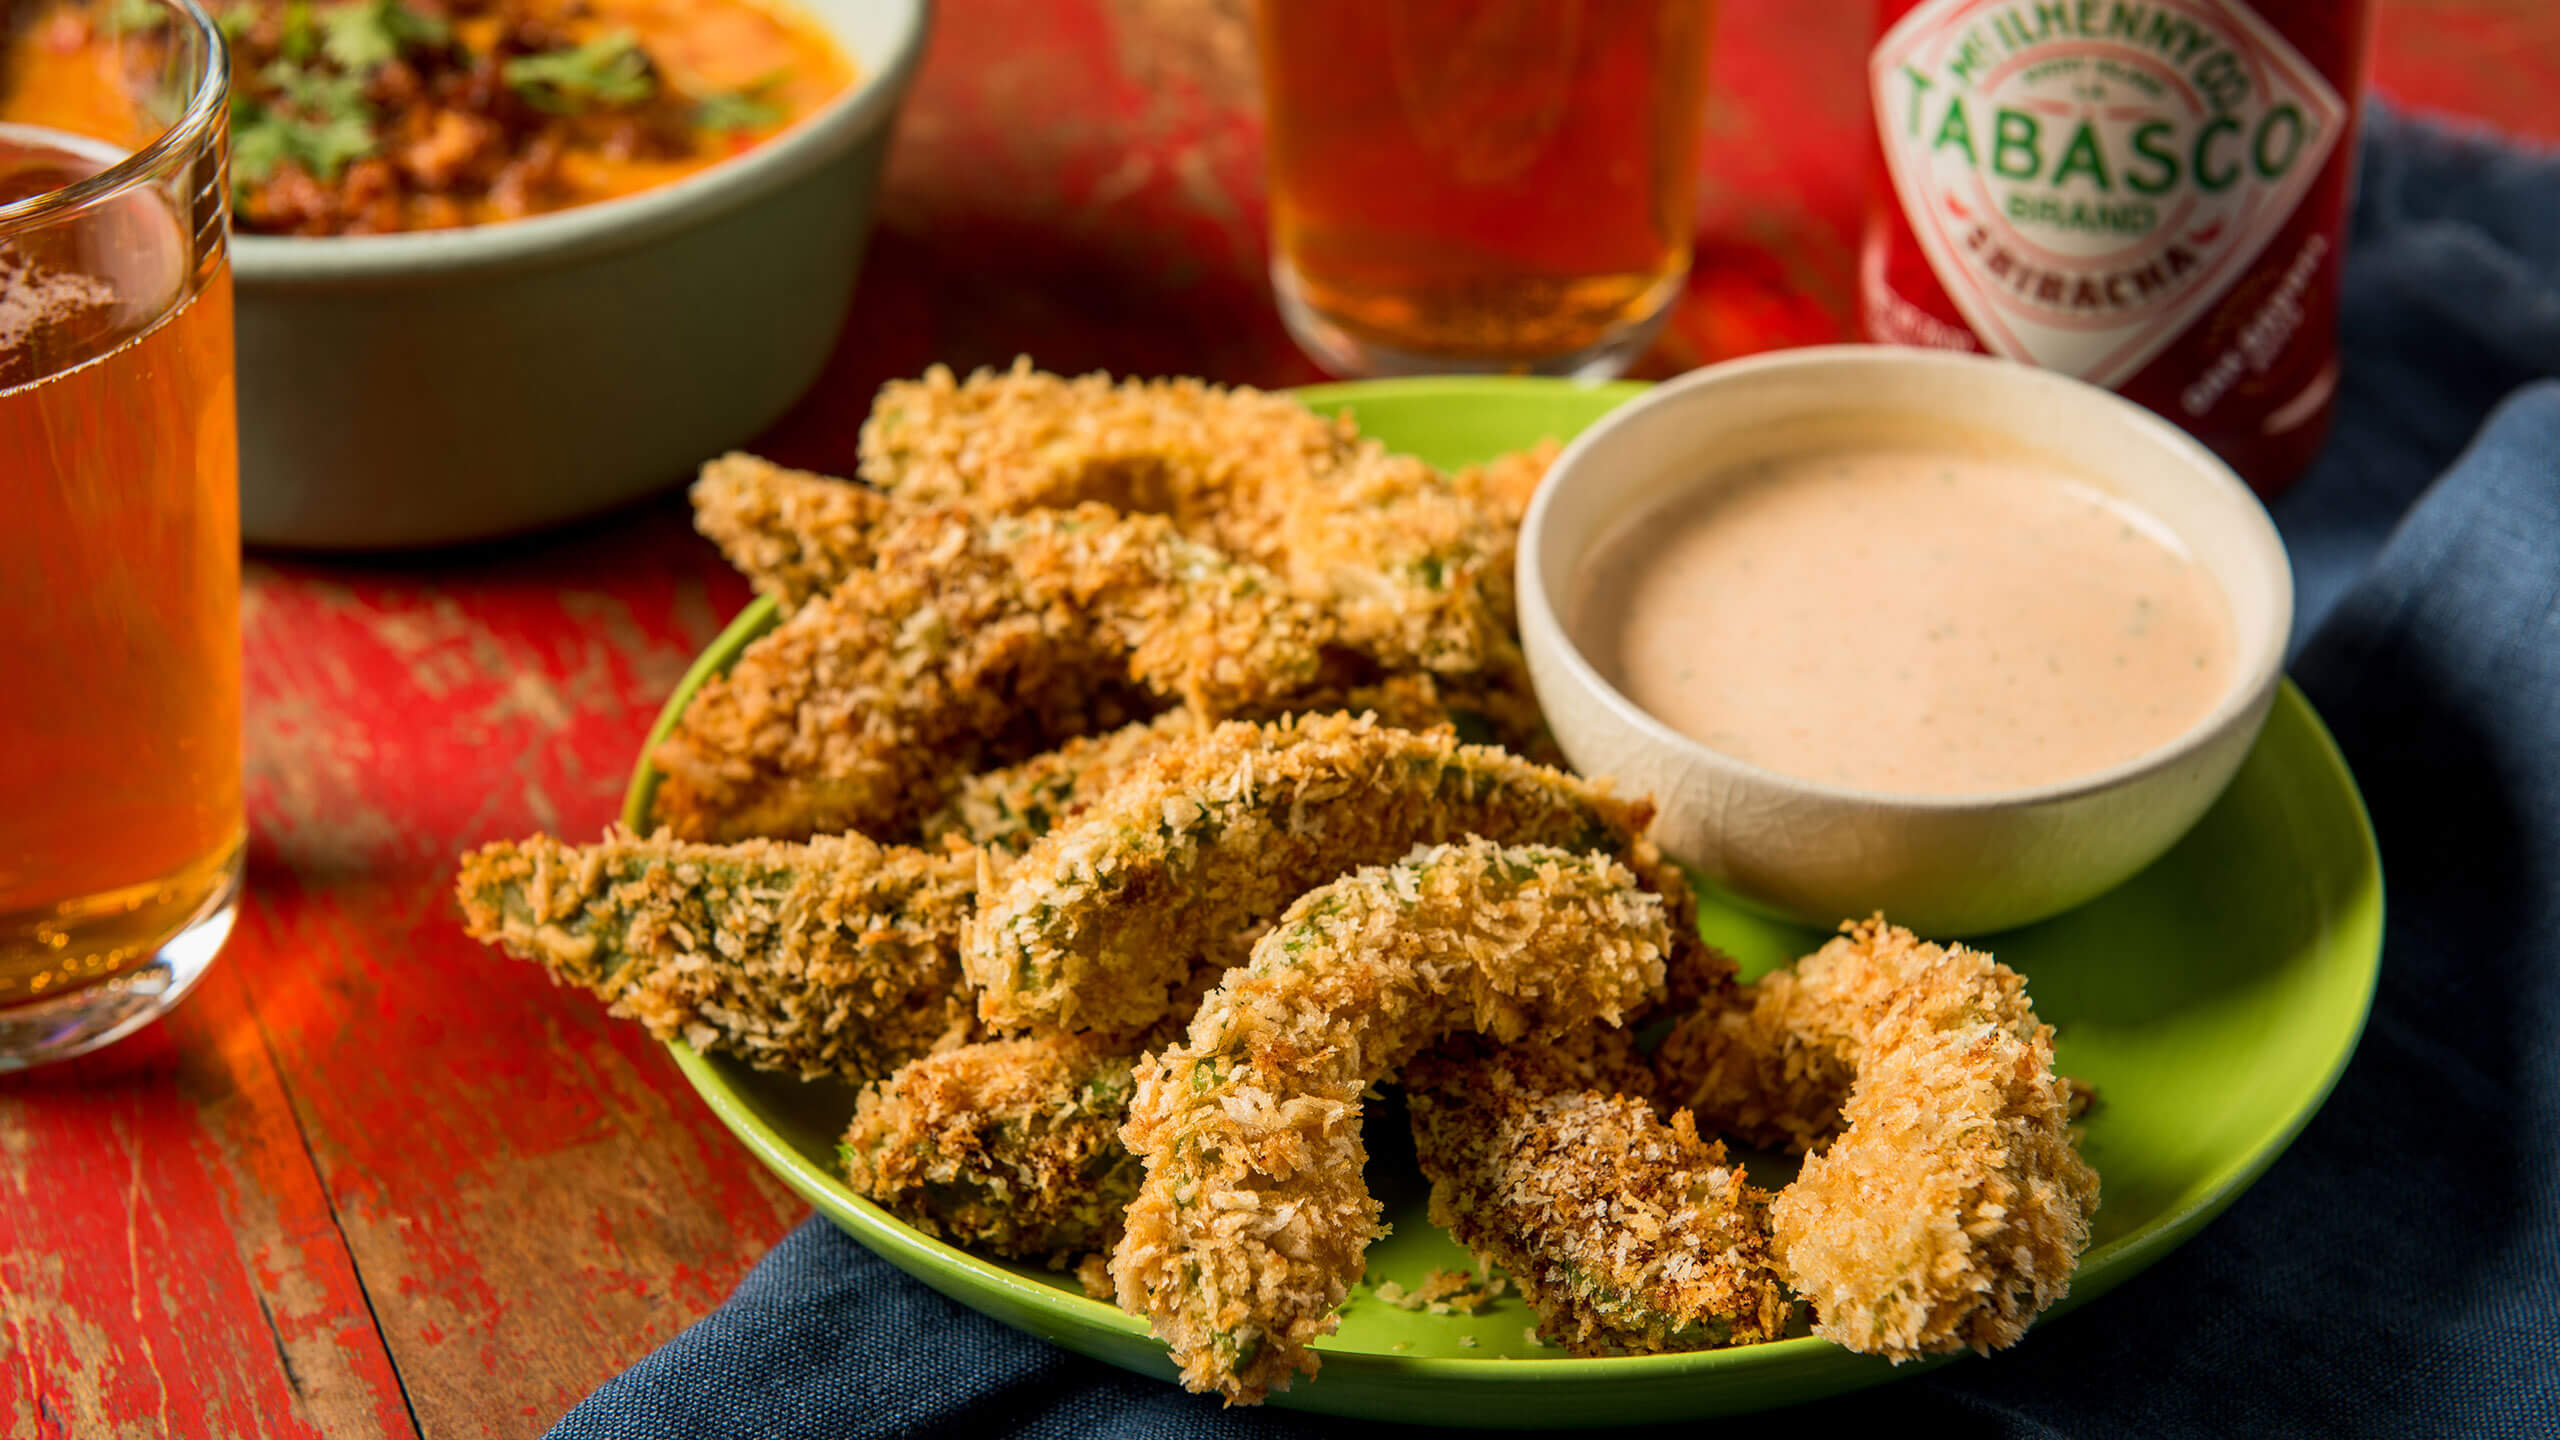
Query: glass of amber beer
(120, 812)
(1480, 185)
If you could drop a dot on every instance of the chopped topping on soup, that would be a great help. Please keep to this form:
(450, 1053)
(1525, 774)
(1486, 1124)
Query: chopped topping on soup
(372, 116)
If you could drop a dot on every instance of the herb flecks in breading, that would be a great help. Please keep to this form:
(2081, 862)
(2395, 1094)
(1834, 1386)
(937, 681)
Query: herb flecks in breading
(1413, 564)
(1254, 1217)
(1930, 1079)
(1009, 808)
(1112, 918)
(974, 641)
(1012, 1146)
(793, 534)
(1627, 1234)
(833, 958)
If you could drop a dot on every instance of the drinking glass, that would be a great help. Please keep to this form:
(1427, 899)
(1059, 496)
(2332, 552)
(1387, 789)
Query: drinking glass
(1480, 185)
(120, 812)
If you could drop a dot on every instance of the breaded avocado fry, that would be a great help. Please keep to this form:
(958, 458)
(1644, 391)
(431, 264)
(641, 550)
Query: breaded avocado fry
(794, 535)
(835, 957)
(974, 641)
(1954, 1205)
(1627, 1235)
(1009, 808)
(1110, 920)
(1768, 1064)
(1254, 1217)
(1021, 439)
(1009, 1145)
(1415, 564)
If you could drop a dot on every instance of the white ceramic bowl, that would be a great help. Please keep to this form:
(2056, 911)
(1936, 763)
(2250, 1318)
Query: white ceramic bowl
(1945, 865)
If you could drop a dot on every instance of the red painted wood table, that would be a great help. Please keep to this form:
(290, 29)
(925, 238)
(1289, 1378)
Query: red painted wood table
(372, 1180)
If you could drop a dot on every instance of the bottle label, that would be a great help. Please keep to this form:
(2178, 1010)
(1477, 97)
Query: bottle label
(2087, 176)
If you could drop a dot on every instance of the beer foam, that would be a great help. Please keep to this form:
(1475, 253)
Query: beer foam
(35, 299)
(75, 287)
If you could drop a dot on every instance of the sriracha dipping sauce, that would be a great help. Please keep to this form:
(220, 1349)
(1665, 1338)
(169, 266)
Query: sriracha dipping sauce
(2147, 194)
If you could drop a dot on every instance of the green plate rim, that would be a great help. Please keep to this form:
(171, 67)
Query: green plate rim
(2359, 926)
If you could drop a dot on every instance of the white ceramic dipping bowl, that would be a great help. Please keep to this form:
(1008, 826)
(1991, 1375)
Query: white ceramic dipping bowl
(1946, 865)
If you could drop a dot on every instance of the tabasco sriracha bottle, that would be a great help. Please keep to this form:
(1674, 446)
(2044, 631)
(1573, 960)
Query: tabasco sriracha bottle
(2148, 194)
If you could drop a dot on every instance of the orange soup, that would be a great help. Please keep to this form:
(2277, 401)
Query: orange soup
(363, 117)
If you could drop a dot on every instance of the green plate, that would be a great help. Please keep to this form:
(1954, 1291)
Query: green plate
(2212, 1000)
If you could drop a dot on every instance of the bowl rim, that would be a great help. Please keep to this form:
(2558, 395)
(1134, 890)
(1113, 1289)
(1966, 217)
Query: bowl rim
(2247, 694)
(157, 158)
(606, 226)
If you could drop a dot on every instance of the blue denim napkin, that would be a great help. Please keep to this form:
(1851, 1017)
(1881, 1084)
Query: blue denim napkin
(2398, 1271)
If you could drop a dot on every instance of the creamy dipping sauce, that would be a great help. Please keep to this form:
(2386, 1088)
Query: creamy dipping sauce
(1909, 619)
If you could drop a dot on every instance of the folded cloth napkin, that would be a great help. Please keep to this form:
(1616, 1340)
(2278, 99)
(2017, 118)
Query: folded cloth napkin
(2398, 1271)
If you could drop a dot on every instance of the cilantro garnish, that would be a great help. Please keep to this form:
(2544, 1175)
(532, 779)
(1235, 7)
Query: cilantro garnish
(322, 124)
(735, 110)
(308, 107)
(367, 33)
(298, 35)
(258, 145)
(317, 93)
(749, 107)
(263, 140)
(611, 69)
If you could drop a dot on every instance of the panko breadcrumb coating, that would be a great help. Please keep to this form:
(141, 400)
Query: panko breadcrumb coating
(1417, 575)
(974, 642)
(1769, 1064)
(798, 535)
(1253, 1220)
(1021, 439)
(1627, 1235)
(1012, 1146)
(1009, 808)
(1413, 564)
(1504, 485)
(1493, 498)
(1106, 921)
(833, 958)
(794, 535)
(1953, 1207)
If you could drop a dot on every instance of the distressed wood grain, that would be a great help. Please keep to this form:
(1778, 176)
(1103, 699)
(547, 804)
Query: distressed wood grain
(169, 1264)
(527, 1187)
(372, 1180)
